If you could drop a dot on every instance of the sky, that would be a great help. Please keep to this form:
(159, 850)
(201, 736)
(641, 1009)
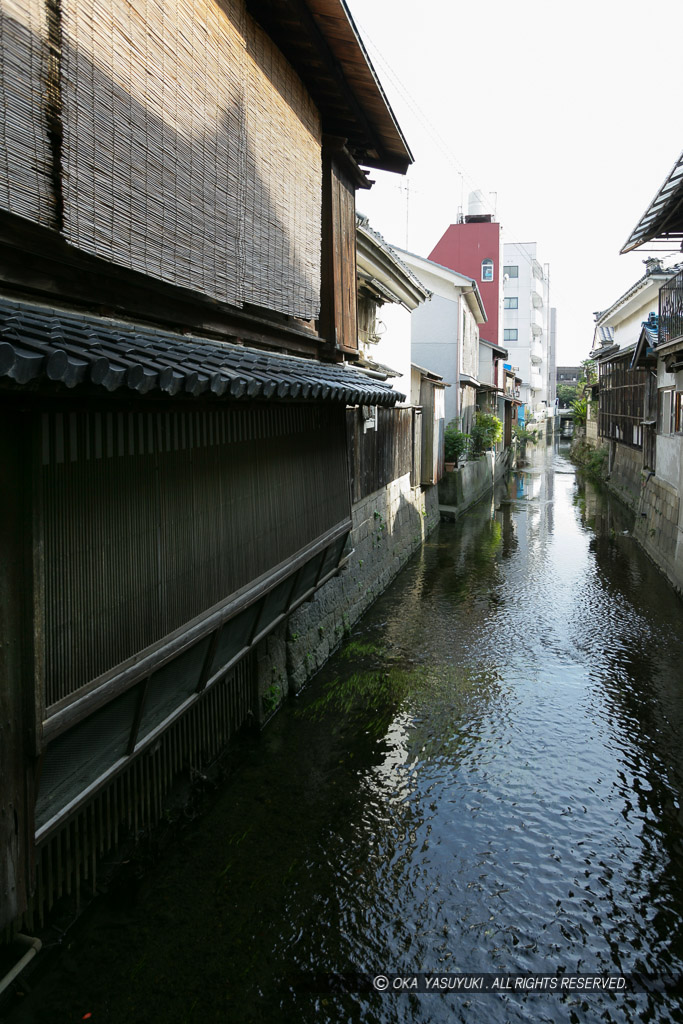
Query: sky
(566, 116)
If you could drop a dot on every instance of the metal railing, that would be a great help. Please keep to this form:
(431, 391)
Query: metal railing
(671, 309)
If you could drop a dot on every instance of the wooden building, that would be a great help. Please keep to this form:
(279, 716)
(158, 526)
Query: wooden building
(177, 316)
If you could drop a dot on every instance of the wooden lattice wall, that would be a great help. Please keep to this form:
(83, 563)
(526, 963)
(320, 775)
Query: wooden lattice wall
(149, 519)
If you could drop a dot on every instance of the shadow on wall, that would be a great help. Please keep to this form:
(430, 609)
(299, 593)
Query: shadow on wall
(189, 209)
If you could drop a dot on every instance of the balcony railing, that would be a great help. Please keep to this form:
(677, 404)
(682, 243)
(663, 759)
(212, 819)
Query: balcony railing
(671, 309)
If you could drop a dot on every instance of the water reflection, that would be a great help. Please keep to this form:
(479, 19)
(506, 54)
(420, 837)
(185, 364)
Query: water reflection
(488, 777)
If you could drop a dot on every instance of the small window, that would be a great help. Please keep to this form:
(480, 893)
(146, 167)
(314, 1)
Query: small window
(667, 412)
(510, 334)
(511, 271)
(511, 303)
(670, 412)
(487, 270)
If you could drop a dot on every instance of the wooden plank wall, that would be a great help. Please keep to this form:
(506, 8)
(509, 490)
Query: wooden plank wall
(380, 455)
(148, 519)
(338, 305)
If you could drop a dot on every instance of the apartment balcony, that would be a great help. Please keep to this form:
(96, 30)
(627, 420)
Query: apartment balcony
(671, 310)
(536, 380)
(537, 292)
(536, 321)
(536, 351)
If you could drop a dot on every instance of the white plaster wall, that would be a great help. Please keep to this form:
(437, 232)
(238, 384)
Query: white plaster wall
(664, 379)
(669, 451)
(470, 342)
(393, 348)
(485, 374)
(434, 343)
(628, 331)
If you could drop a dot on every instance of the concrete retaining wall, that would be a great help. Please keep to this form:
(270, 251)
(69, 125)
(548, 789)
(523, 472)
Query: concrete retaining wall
(388, 526)
(463, 487)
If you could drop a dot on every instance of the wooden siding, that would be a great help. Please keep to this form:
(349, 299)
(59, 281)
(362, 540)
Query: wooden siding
(432, 400)
(338, 314)
(382, 454)
(151, 518)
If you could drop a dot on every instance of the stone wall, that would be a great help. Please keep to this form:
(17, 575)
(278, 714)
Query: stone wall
(624, 473)
(388, 526)
(657, 527)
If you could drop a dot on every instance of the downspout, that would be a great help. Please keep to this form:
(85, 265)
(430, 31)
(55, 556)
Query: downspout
(34, 946)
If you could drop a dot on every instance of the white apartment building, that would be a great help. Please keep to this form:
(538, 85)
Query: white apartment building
(526, 324)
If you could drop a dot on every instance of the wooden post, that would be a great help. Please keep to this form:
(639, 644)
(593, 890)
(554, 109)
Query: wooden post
(17, 697)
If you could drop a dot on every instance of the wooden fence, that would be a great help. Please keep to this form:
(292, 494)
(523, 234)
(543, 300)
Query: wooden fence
(384, 452)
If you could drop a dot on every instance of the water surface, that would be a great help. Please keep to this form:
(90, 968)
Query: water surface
(487, 777)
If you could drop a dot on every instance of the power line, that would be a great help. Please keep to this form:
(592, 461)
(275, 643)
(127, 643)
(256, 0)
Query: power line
(430, 127)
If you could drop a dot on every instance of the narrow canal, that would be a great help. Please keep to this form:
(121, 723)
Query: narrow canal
(487, 777)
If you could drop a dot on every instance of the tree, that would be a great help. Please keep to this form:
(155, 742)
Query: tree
(567, 393)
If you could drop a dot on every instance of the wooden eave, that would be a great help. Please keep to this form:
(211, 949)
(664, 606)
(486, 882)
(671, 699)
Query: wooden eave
(321, 42)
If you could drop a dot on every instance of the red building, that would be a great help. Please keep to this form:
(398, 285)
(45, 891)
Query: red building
(473, 248)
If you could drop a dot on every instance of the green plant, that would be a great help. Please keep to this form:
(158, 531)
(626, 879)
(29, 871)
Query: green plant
(271, 698)
(525, 435)
(487, 431)
(456, 442)
(580, 410)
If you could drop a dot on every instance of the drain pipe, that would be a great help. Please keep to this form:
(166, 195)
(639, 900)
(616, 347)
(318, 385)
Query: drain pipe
(34, 946)
(643, 488)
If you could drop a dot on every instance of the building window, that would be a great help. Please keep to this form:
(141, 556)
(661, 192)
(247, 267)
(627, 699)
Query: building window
(511, 271)
(487, 270)
(510, 334)
(511, 303)
(670, 412)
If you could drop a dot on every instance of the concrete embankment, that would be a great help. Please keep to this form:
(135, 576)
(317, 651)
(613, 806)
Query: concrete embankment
(388, 526)
(463, 487)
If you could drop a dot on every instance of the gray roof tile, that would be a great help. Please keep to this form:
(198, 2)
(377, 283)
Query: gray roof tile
(38, 343)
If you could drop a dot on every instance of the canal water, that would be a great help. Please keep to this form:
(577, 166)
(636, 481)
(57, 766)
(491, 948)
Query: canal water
(486, 778)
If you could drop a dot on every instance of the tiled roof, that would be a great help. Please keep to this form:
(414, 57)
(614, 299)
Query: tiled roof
(662, 220)
(42, 344)
(604, 335)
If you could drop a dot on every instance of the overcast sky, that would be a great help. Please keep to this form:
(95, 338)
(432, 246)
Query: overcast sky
(565, 115)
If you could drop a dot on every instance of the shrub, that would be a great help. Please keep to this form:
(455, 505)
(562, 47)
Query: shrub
(580, 410)
(456, 442)
(487, 431)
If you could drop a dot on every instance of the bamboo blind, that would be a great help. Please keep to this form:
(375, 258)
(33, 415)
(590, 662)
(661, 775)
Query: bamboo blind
(25, 158)
(191, 150)
(283, 184)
